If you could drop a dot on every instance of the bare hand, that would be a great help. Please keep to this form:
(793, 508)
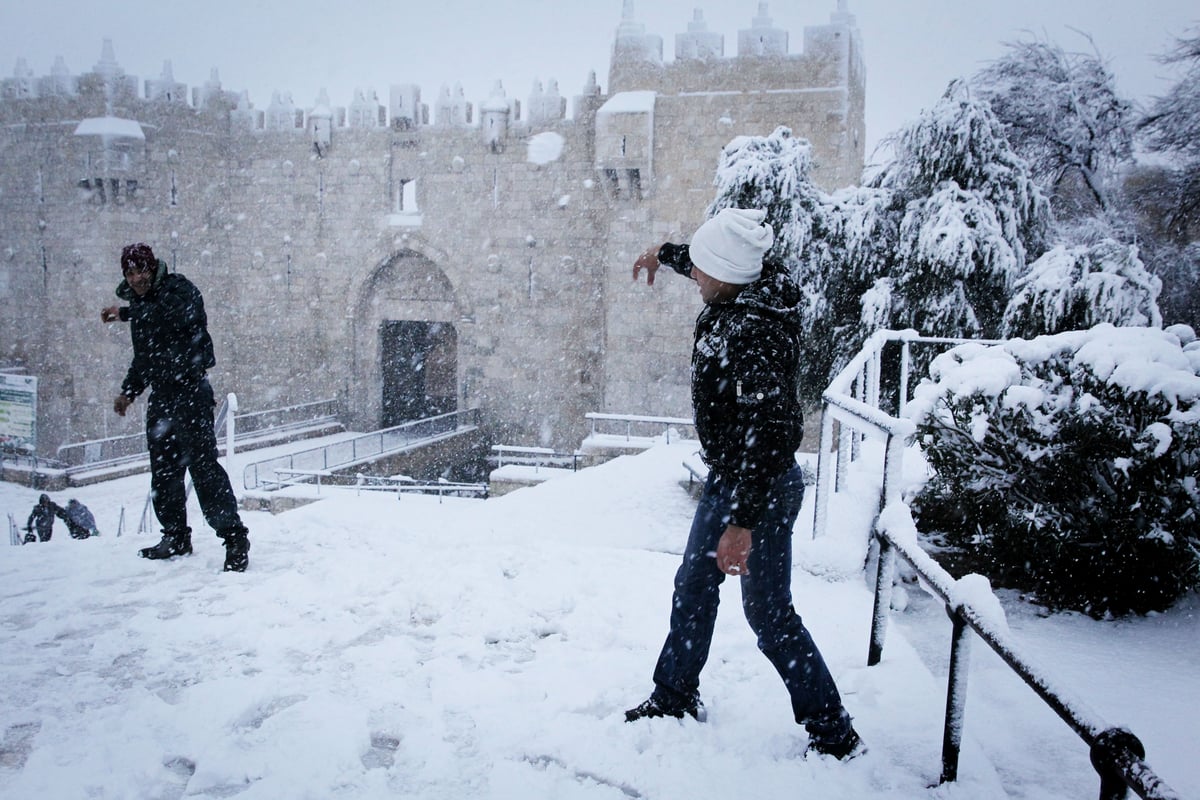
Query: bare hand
(121, 404)
(646, 261)
(733, 551)
(110, 314)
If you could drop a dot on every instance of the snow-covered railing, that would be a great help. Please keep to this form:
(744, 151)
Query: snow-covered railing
(854, 400)
(403, 486)
(115, 450)
(645, 426)
(1117, 755)
(535, 457)
(361, 449)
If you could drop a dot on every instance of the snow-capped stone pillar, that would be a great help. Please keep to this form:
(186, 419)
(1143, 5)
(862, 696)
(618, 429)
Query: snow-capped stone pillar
(632, 41)
(762, 38)
(320, 124)
(166, 89)
(494, 117)
(699, 42)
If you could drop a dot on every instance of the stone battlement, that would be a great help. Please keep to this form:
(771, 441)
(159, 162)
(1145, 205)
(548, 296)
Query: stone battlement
(700, 65)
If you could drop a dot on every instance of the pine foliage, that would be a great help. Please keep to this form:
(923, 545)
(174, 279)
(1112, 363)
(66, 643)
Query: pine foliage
(1068, 465)
(970, 215)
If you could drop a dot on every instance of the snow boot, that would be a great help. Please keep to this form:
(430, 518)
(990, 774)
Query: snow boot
(171, 545)
(237, 550)
(654, 707)
(847, 748)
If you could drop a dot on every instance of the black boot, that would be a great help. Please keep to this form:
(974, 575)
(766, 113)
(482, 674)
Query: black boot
(655, 707)
(171, 545)
(833, 734)
(237, 550)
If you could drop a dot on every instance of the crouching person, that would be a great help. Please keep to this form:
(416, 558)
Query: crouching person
(80, 522)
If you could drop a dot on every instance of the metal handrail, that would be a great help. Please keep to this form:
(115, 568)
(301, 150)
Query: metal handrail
(364, 447)
(663, 423)
(402, 486)
(536, 457)
(117, 450)
(853, 399)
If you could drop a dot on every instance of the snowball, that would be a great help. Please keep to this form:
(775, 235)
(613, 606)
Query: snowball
(545, 147)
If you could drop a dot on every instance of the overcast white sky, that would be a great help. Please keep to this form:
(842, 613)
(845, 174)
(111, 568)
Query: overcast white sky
(913, 48)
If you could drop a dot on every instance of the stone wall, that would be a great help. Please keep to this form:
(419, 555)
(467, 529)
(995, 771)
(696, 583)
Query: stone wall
(304, 252)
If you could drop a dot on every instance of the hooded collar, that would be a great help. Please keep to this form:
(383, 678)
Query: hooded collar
(127, 294)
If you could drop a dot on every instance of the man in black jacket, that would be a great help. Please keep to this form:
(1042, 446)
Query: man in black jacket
(745, 380)
(172, 351)
(41, 520)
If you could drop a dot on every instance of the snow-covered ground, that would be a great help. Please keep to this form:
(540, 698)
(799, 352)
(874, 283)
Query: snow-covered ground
(454, 648)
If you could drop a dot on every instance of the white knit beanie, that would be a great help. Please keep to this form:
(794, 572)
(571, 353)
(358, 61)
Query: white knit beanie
(730, 246)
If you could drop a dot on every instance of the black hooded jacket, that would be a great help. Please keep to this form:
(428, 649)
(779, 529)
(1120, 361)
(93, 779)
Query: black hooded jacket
(171, 345)
(745, 383)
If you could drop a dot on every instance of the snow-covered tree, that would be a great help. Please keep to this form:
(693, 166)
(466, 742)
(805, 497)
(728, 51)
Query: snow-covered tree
(830, 244)
(968, 215)
(1061, 112)
(1172, 126)
(1072, 288)
(771, 173)
(935, 243)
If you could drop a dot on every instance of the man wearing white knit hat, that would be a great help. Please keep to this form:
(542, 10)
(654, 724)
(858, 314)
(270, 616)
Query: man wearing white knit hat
(745, 381)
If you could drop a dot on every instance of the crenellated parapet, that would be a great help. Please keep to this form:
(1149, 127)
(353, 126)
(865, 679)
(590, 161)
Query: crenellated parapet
(107, 85)
(700, 62)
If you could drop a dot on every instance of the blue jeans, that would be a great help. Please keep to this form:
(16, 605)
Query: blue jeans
(766, 600)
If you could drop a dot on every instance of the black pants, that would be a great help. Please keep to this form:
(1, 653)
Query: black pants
(180, 437)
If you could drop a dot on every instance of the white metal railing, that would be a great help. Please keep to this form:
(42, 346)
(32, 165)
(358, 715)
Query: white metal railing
(363, 448)
(853, 399)
(113, 450)
(536, 457)
(403, 486)
(649, 426)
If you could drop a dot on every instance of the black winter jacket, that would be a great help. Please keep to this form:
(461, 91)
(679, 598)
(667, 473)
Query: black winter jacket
(171, 345)
(745, 384)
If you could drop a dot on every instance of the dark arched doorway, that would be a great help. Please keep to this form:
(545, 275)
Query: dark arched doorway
(419, 365)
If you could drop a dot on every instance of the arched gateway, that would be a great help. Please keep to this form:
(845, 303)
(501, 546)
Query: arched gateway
(406, 342)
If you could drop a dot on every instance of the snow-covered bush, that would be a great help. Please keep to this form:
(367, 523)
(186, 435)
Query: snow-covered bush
(1072, 288)
(1069, 464)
